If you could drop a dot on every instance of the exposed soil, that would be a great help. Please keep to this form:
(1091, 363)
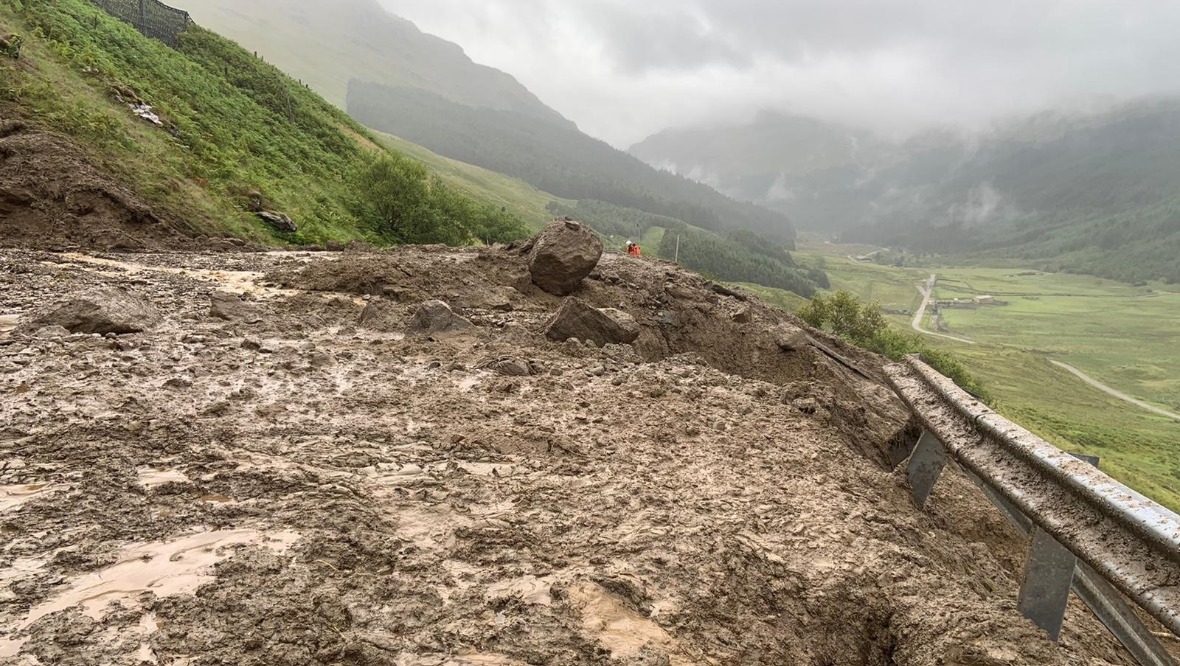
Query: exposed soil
(308, 490)
(52, 197)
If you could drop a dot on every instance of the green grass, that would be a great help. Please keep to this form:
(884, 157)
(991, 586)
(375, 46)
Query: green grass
(516, 196)
(234, 125)
(1123, 336)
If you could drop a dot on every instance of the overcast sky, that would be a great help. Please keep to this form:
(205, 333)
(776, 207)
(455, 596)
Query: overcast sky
(624, 69)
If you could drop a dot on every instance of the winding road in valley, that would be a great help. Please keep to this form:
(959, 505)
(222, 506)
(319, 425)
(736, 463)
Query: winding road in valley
(1118, 394)
(927, 291)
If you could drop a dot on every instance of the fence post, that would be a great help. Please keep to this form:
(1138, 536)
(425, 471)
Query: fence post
(143, 16)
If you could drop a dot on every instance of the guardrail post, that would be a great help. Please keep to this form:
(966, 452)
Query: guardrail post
(925, 466)
(1048, 577)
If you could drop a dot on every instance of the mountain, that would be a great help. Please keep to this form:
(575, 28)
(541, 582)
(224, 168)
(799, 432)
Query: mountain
(1091, 193)
(109, 138)
(556, 158)
(327, 44)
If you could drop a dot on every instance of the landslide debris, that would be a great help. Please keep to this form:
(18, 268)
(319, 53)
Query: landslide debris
(53, 197)
(304, 489)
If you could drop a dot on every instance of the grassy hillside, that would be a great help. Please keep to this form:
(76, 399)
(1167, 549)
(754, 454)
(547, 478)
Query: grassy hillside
(326, 44)
(527, 203)
(232, 126)
(554, 158)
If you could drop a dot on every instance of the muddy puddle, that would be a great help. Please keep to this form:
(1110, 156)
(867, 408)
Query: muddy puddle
(8, 322)
(235, 282)
(165, 569)
(12, 497)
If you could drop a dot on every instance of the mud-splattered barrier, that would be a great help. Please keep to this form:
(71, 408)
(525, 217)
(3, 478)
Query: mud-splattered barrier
(1075, 510)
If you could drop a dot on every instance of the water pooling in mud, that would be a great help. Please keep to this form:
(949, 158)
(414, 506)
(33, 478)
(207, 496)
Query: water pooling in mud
(166, 569)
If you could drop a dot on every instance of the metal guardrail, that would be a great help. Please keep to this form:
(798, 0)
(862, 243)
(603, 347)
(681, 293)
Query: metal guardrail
(1074, 510)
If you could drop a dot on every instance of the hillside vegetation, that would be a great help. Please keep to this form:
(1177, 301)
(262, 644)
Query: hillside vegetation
(739, 256)
(1060, 192)
(234, 130)
(326, 44)
(556, 158)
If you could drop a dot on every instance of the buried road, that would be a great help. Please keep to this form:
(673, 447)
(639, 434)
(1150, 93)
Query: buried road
(309, 479)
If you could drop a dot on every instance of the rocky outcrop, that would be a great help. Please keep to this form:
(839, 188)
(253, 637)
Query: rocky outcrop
(278, 221)
(114, 311)
(436, 317)
(562, 255)
(576, 319)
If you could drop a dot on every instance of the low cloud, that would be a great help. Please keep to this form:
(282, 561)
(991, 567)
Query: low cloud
(624, 69)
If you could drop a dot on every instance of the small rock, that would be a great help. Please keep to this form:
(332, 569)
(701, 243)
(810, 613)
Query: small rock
(512, 367)
(227, 306)
(742, 316)
(113, 311)
(436, 317)
(380, 315)
(178, 383)
(251, 345)
(790, 338)
(277, 221)
(51, 333)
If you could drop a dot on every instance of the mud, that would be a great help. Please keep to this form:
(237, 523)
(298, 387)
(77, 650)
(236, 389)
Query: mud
(305, 490)
(54, 196)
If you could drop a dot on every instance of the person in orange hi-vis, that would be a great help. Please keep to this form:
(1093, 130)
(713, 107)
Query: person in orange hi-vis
(633, 249)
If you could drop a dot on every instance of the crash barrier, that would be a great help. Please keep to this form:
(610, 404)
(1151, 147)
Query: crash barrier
(150, 17)
(1088, 532)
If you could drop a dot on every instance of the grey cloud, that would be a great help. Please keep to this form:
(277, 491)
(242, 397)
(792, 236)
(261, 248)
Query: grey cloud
(626, 68)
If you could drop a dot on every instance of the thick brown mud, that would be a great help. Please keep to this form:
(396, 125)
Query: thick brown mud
(303, 487)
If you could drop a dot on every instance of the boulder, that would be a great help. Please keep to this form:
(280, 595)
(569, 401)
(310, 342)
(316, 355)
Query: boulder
(562, 255)
(436, 317)
(227, 306)
(790, 338)
(277, 221)
(106, 311)
(577, 319)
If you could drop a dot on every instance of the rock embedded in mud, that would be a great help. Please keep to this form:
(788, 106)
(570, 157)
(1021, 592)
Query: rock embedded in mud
(380, 315)
(436, 317)
(116, 311)
(563, 254)
(790, 338)
(577, 319)
(227, 306)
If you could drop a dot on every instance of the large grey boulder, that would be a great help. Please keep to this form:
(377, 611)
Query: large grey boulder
(562, 255)
(576, 319)
(105, 311)
(436, 317)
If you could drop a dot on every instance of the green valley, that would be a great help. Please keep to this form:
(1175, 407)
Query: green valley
(1120, 335)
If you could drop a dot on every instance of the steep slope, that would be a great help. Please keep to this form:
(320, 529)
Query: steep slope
(230, 135)
(556, 158)
(326, 44)
(1087, 193)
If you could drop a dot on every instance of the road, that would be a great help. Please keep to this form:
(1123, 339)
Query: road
(927, 290)
(1118, 394)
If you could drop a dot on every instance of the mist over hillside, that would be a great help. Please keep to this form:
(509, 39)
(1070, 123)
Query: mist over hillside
(1088, 193)
(326, 44)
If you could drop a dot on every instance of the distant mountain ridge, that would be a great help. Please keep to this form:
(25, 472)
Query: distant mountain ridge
(326, 44)
(1093, 193)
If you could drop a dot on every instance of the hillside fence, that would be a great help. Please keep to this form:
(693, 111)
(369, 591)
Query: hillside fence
(152, 18)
